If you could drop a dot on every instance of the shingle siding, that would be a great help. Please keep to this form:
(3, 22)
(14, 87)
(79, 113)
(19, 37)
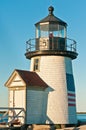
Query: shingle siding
(53, 71)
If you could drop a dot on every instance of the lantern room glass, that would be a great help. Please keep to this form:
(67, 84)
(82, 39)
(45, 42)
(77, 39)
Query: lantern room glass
(45, 29)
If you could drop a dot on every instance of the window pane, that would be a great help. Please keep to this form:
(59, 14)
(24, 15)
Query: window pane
(36, 64)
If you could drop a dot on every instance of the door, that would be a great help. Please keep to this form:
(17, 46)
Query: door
(17, 100)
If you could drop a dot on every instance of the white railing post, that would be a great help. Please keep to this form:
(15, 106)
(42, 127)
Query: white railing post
(13, 117)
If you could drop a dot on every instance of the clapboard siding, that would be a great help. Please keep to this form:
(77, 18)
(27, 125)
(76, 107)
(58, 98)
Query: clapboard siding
(36, 106)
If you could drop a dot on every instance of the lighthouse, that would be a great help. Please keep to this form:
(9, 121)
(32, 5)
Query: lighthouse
(46, 93)
(51, 54)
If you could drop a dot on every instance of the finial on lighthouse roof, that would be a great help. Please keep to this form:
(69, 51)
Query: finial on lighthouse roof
(51, 9)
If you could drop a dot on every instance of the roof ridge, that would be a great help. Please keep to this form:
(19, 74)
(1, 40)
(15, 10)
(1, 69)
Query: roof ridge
(20, 70)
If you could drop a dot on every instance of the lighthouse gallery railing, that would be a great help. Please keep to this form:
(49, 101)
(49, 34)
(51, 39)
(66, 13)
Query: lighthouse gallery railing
(70, 45)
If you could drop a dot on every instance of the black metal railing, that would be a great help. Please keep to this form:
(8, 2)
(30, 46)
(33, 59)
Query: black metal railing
(31, 45)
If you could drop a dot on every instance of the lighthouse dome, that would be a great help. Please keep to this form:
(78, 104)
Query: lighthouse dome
(51, 18)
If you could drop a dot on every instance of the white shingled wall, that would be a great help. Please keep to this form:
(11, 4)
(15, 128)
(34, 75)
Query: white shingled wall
(53, 71)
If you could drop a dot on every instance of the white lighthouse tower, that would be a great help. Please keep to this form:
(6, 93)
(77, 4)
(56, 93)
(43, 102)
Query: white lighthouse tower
(51, 54)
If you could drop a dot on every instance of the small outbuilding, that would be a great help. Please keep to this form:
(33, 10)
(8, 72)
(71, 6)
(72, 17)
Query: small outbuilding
(27, 90)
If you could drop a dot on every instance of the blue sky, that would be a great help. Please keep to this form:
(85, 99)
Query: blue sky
(17, 19)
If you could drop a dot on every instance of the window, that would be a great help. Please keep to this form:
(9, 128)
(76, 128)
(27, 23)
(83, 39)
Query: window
(36, 64)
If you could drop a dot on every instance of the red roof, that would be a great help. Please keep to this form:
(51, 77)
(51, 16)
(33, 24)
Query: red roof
(32, 78)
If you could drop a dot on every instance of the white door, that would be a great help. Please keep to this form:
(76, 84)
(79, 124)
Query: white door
(17, 100)
(11, 98)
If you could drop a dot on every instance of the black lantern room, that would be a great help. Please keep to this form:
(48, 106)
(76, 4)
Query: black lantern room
(51, 38)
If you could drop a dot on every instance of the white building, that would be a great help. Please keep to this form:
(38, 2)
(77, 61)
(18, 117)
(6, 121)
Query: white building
(47, 91)
(27, 90)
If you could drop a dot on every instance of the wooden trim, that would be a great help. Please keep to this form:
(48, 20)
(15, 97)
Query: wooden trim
(17, 88)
